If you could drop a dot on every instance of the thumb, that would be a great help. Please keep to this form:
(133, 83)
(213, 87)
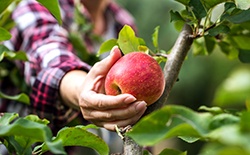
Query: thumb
(102, 67)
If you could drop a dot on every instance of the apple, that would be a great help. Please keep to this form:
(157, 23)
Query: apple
(138, 74)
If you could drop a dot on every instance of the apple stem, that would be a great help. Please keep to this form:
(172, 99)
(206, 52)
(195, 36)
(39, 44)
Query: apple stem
(171, 72)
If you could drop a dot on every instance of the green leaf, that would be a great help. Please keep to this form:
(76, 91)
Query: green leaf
(20, 97)
(209, 44)
(155, 37)
(218, 30)
(234, 90)
(7, 118)
(231, 135)
(172, 152)
(79, 136)
(198, 9)
(35, 118)
(213, 110)
(175, 16)
(5, 35)
(223, 119)
(229, 49)
(242, 41)
(184, 2)
(212, 3)
(244, 121)
(243, 4)
(244, 56)
(27, 132)
(177, 121)
(4, 4)
(127, 40)
(107, 46)
(238, 17)
(6, 53)
(53, 7)
(203, 45)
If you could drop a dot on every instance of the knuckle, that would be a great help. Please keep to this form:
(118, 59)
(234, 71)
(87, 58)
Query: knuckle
(108, 116)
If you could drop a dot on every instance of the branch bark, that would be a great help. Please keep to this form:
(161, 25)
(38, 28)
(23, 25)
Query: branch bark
(171, 72)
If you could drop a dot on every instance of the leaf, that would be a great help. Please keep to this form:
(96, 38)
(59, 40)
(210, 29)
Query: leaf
(27, 132)
(172, 152)
(107, 46)
(6, 53)
(79, 136)
(243, 4)
(53, 7)
(218, 30)
(4, 4)
(197, 8)
(209, 44)
(177, 121)
(244, 121)
(5, 35)
(203, 45)
(155, 37)
(244, 56)
(239, 17)
(19, 98)
(229, 49)
(184, 2)
(7, 118)
(231, 135)
(242, 41)
(127, 40)
(234, 90)
(212, 3)
(175, 16)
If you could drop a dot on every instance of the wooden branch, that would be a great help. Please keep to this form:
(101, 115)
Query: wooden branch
(171, 72)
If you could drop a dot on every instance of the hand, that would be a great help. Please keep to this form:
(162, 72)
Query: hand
(106, 110)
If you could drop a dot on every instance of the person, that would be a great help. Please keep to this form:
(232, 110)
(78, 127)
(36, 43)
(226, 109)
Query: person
(63, 87)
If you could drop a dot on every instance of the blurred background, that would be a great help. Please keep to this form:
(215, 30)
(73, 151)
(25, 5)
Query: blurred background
(212, 80)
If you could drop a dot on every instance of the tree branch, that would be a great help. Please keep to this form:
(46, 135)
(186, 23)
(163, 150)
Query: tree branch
(173, 65)
(171, 72)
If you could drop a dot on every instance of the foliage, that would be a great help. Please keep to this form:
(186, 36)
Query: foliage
(214, 125)
(19, 134)
(229, 29)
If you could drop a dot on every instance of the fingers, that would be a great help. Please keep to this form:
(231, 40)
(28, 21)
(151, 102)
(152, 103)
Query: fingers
(97, 101)
(120, 117)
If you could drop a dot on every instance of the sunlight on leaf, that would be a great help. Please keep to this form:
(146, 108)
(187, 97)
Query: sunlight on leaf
(127, 40)
(243, 4)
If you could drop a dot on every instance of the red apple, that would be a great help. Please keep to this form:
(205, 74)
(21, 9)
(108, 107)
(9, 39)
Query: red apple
(138, 74)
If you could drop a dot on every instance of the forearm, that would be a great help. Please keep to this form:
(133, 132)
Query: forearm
(70, 87)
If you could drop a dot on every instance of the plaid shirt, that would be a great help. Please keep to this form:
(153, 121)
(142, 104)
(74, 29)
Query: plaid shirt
(51, 55)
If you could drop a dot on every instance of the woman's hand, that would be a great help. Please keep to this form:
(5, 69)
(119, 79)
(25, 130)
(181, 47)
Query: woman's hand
(105, 110)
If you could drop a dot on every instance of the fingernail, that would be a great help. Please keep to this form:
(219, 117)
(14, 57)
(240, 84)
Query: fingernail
(130, 99)
(113, 49)
(141, 106)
